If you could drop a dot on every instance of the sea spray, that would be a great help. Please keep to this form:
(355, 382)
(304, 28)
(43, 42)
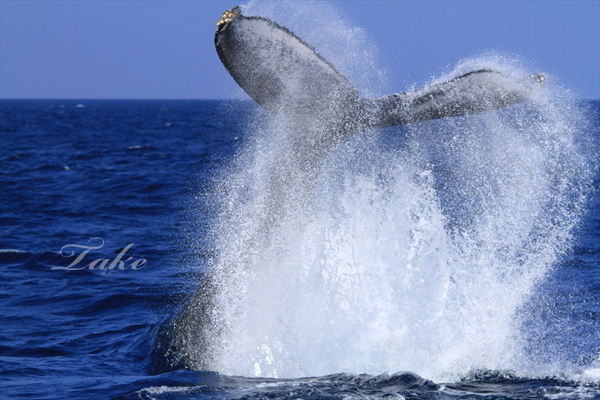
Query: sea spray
(413, 248)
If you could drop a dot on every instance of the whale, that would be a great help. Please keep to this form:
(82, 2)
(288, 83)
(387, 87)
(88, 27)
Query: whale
(321, 108)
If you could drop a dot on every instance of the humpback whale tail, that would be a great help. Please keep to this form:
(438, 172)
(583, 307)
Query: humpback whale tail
(321, 107)
(288, 77)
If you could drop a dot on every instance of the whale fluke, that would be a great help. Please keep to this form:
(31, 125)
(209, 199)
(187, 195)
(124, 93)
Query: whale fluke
(290, 79)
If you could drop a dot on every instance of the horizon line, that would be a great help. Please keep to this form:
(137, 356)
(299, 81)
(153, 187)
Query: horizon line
(118, 98)
(153, 99)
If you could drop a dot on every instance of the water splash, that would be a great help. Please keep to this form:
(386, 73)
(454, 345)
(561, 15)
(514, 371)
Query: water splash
(414, 248)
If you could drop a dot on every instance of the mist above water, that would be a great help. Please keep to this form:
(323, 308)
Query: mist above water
(412, 248)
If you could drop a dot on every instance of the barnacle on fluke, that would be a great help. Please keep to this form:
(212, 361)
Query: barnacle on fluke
(227, 16)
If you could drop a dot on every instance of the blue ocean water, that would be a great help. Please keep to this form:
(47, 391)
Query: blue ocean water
(109, 174)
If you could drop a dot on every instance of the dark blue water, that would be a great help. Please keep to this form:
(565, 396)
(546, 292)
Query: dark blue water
(134, 180)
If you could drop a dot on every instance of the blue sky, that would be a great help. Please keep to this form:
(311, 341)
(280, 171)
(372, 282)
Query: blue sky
(164, 49)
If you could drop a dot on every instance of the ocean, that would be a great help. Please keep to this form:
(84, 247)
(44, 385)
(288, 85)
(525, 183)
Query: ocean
(420, 285)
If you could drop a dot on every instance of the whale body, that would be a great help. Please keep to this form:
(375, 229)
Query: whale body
(292, 81)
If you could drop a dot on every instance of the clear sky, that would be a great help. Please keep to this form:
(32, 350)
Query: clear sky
(164, 49)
